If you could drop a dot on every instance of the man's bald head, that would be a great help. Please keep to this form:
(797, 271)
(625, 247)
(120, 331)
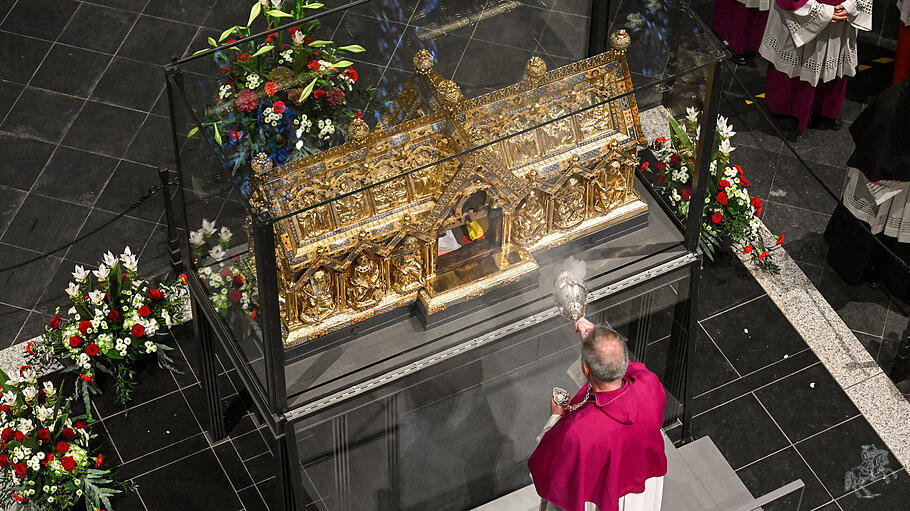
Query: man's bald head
(605, 353)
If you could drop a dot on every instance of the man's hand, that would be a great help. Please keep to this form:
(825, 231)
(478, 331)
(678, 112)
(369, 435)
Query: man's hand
(583, 327)
(840, 14)
(555, 409)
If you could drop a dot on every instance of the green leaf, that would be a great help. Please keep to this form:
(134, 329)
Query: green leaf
(276, 13)
(315, 5)
(308, 90)
(254, 12)
(3, 379)
(341, 63)
(224, 35)
(265, 49)
(200, 51)
(353, 48)
(192, 132)
(319, 43)
(212, 42)
(679, 132)
(217, 135)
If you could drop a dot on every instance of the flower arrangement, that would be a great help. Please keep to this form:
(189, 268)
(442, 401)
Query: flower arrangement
(231, 286)
(287, 95)
(112, 324)
(730, 211)
(44, 456)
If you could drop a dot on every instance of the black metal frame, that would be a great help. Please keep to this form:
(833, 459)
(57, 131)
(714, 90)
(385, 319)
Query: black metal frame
(270, 397)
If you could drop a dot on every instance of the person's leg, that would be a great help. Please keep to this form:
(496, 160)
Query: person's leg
(829, 100)
(789, 96)
(740, 27)
(902, 57)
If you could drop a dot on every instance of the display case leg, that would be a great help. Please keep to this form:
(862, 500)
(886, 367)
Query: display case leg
(209, 377)
(287, 471)
(681, 353)
(173, 244)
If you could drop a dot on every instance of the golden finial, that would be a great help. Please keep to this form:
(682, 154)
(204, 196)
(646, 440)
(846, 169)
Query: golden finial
(261, 163)
(358, 130)
(423, 61)
(535, 69)
(449, 93)
(620, 40)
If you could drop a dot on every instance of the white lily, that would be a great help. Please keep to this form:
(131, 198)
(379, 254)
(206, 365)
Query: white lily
(299, 37)
(72, 290)
(726, 147)
(110, 259)
(96, 296)
(217, 253)
(80, 273)
(26, 426)
(49, 389)
(225, 234)
(45, 414)
(130, 262)
(29, 393)
(725, 131)
(197, 238)
(691, 114)
(276, 4)
(102, 272)
(208, 228)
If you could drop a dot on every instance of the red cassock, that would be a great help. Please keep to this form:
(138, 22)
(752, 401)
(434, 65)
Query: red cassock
(606, 448)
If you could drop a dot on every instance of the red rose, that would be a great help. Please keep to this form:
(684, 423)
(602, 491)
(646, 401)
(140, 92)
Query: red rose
(722, 198)
(318, 93)
(68, 463)
(717, 217)
(738, 169)
(99, 461)
(86, 378)
(747, 249)
(84, 325)
(137, 330)
(659, 141)
(743, 181)
(19, 498)
(144, 311)
(686, 193)
(47, 459)
(756, 203)
(352, 74)
(5, 408)
(270, 88)
(62, 447)
(91, 350)
(226, 272)
(113, 315)
(661, 179)
(20, 436)
(22, 369)
(314, 65)
(358, 115)
(780, 239)
(279, 107)
(75, 341)
(4, 460)
(292, 30)
(225, 69)
(42, 396)
(54, 323)
(723, 183)
(30, 349)
(21, 469)
(238, 279)
(645, 165)
(243, 57)
(67, 433)
(79, 425)
(676, 159)
(235, 295)
(44, 435)
(6, 435)
(155, 295)
(763, 255)
(270, 38)
(661, 166)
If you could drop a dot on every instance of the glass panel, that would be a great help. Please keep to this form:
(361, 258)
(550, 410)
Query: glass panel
(458, 434)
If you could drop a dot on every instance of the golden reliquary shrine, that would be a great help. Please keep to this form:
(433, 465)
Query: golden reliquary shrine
(449, 197)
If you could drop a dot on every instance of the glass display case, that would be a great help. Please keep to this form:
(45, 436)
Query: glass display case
(372, 237)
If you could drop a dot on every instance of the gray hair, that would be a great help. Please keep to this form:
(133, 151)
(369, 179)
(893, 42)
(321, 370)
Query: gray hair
(606, 353)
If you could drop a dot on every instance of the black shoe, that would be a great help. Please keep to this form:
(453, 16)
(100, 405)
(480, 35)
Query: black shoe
(821, 122)
(792, 136)
(739, 60)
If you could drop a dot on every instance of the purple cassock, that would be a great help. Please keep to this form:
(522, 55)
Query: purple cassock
(605, 449)
(739, 26)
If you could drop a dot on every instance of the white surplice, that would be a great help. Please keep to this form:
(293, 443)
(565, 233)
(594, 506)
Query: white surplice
(761, 5)
(805, 44)
(883, 205)
(904, 7)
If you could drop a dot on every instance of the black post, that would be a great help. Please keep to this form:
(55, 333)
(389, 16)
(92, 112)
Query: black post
(209, 377)
(174, 80)
(173, 244)
(267, 280)
(598, 33)
(681, 352)
(704, 157)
